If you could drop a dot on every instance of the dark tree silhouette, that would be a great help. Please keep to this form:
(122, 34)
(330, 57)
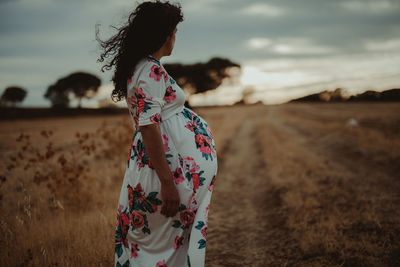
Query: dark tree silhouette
(81, 84)
(58, 95)
(340, 95)
(13, 95)
(201, 77)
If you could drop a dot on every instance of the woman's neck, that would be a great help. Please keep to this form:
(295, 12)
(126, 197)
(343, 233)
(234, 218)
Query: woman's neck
(156, 55)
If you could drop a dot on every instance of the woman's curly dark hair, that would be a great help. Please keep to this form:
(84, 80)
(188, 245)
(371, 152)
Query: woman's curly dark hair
(146, 31)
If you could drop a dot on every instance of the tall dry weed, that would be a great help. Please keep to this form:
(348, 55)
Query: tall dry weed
(57, 199)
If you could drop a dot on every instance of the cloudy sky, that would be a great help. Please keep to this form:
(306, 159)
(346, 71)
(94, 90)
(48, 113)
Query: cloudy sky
(287, 48)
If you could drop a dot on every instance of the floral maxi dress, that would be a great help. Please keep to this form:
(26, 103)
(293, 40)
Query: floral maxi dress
(145, 237)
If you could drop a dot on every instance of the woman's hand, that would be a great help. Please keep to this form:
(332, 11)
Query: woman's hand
(170, 199)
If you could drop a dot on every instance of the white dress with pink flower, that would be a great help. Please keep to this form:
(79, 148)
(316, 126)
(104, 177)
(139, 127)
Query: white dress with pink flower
(145, 237)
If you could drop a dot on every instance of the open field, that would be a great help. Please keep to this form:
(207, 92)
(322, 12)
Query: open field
(297, 185)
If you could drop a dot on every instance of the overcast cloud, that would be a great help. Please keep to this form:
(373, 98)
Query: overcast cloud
(286, 48)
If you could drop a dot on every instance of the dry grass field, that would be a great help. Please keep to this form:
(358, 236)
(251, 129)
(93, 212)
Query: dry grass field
(297, 185)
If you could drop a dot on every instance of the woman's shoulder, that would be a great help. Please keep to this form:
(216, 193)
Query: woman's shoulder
(148, 70)
(154, 71)
(148, 65)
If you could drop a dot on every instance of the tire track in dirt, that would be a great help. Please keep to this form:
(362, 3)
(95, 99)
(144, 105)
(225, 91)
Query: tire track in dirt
(246, 222)
(350, 147)
(337, 197)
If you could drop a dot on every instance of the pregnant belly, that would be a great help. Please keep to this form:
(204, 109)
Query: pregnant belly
(192, 139)
(196, 152)
(197, 132)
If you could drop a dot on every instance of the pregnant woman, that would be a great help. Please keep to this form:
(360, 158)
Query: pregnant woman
(172, 165)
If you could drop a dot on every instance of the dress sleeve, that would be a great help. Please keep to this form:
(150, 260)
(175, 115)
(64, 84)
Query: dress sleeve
(150, 95)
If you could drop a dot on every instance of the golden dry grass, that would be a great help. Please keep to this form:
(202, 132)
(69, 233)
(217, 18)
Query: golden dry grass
(296, 185)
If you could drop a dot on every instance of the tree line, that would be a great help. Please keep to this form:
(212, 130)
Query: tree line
(193, 78)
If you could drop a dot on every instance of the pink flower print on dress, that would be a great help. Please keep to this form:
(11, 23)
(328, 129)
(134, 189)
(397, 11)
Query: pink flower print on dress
(211, 186)
(141, 155)
(156, 72)
(134, 250)
(178, 242)
(132, 102)
(196, 181)
(122, 227)
(119, 214)
(165, 141)
(202, 226)
(130, 196)
(178, 177)
(161, 264)
(170, 94)
(203, 143)
(192, 203)
(156, 118)
(141, 103)
(193, 167)
(137, 219)
(124, 220)
(206, 211)
(204, 232)
(191, 125)
(187, 217)
(142, 198)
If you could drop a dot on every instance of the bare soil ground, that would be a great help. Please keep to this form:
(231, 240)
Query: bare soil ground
(297, 185)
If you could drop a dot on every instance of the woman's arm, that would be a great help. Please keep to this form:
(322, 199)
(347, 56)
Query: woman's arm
(155, 149)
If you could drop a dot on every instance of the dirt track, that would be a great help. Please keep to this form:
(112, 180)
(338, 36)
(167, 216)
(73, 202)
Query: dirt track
(298, 186)
(244, 215)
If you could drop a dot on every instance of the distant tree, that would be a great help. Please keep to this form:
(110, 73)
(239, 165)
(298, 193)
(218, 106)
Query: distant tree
(390, 95)
(13, 95)
(58, 95)
(338, 95)
(80, 84)
(369, 95)
(201, 77)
